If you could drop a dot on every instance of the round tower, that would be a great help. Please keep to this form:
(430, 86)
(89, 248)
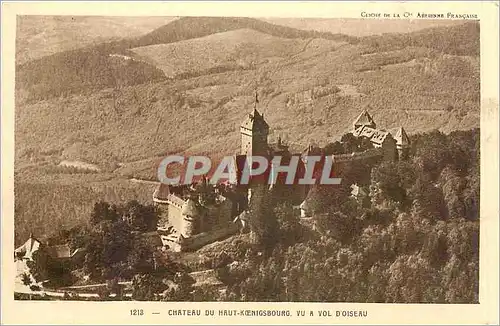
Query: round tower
(191, 219)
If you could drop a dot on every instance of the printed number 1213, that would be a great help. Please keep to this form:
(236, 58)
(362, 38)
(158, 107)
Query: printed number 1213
(136, 312)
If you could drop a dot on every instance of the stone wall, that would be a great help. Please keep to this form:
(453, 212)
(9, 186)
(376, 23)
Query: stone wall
(199, 240)
(341, 158)
(175, 218)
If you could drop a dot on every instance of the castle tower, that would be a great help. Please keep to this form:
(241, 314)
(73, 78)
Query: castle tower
(191, 219)
(309, 151)
(402, 143)
(364, 119)
(254, 131)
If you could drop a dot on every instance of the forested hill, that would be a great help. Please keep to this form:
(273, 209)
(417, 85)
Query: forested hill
(194, 27)
(94, 68)
(415, 241)
(460, 39)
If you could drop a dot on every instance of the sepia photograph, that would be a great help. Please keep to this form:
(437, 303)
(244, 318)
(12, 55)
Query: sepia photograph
(178, 158)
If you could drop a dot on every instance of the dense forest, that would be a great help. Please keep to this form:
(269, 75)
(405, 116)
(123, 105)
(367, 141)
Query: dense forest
(415, 240)
(456, 40)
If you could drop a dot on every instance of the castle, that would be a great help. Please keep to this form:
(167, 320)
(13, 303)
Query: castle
(201, 213)
(364, 126)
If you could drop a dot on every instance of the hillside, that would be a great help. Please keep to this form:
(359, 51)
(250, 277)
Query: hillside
(39, 36)
(460, 39)
(203, 114)
(238, 49)
(310, 90)
(194, 27)
(352, 26)
(87, 69)
(47, 205)
(417, 87)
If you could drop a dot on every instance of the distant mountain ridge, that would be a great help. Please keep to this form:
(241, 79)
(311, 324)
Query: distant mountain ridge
(39, 36)
(93, 68)
(460, 39)
(90, 68)
(194, 27)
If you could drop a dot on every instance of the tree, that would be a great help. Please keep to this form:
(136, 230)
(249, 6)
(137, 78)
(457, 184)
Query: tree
(402, 249)
(26, 278)
(334, 148)
(431, 153)
(413, 280)
(290, 229)
(322, 198)
(338, 225)
(113, 286)
(428, 201)
(263, 222)
(180, 289)
(140, 258)
(387, 180)
(364, 144)
(140, 217)
(109, 245)
(38, 265)
(103, 211)
(146, 287)
(350, 143)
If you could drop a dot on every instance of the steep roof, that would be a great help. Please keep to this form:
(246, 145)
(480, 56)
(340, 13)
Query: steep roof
(29, 247)
(364, 131)
(379, 136)
(304, 205)
(161, 192)
(255, 121)
(402, 138)
(376, 136)
(365, 119)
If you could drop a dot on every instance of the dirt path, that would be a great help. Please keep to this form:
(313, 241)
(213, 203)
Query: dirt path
(144, 181)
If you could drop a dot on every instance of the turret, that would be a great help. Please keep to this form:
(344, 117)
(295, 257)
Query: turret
(364, 119)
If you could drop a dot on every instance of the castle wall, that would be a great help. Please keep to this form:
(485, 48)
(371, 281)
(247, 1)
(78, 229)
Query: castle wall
(341, 158)
(171, 243)
(199, 240)
(188, 226)
(217, 215)
(175, 218)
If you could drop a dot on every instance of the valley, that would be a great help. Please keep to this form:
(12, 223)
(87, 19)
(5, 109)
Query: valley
(188, 92)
